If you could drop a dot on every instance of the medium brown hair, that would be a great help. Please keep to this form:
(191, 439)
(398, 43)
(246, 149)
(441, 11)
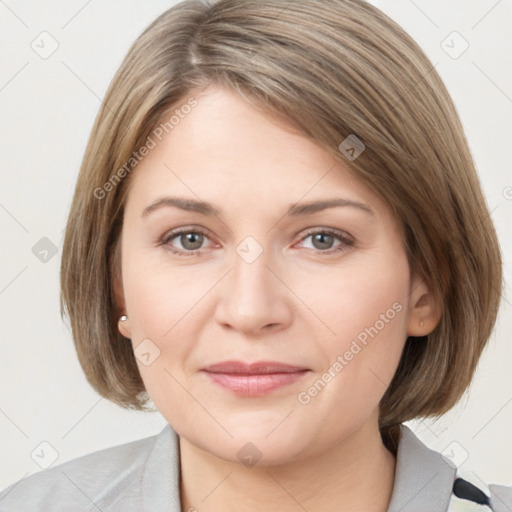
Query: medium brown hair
(332, 69)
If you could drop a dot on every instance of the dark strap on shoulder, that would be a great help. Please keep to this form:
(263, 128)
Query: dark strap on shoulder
(467, 491)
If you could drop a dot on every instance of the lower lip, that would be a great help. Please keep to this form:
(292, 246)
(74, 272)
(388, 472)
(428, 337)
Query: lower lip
(255, 385)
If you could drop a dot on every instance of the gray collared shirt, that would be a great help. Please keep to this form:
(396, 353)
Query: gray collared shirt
(143, 476)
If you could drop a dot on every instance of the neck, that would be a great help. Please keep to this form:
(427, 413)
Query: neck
(357, 474)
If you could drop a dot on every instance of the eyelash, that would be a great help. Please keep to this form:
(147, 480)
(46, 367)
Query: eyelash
(345, 241)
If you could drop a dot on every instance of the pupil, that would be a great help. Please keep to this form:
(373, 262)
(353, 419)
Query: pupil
(189, 237)
(320, 237)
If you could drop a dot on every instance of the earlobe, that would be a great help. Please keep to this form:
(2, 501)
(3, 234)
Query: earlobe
(124, 327)
(424, 310)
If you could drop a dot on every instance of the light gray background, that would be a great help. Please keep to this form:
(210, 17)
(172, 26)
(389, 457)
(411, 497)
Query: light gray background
(47, 109)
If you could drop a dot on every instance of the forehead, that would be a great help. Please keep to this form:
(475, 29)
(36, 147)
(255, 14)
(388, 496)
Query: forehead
(226, 152)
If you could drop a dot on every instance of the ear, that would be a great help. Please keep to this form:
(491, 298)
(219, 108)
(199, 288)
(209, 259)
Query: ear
(424, 309)
(123, 327)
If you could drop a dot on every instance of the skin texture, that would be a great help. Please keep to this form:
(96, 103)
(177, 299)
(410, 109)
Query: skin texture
(293, 304)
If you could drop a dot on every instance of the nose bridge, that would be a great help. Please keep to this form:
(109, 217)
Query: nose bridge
(251, 279)
(253, 297)
(251, 275)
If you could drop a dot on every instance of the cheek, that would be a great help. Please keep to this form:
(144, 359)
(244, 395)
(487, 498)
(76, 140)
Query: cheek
(166, 305)
(367, 313)
(160, 295)
(160, 302)
(357, 296)
(365, 309)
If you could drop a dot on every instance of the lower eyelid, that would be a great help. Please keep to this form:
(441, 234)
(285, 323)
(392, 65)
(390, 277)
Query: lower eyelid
(344, 245)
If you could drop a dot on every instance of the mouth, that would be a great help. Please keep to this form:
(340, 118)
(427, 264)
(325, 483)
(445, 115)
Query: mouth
(254, 379)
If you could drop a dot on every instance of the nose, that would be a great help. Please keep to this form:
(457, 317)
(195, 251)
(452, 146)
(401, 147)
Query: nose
(254, 298)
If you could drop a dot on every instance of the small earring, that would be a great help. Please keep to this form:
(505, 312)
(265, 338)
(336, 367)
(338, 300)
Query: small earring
(123, 318)
(421, 323)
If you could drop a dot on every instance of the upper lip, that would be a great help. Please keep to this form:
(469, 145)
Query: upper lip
(256, 368)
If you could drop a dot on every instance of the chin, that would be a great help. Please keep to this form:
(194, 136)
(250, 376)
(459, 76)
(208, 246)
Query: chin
(253, 443)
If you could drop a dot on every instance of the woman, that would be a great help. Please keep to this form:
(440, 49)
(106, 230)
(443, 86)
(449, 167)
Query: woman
(279, 238)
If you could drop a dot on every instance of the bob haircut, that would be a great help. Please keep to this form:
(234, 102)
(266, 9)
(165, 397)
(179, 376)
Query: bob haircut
(330, 69)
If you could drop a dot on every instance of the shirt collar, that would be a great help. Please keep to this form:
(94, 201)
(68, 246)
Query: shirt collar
(423, 477)
(161, 477)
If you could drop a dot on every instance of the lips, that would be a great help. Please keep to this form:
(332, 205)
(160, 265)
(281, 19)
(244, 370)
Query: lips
(257, 368)
(254, 379)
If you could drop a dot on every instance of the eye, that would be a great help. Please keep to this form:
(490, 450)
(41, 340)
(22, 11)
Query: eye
(323, 239)
(190, 240)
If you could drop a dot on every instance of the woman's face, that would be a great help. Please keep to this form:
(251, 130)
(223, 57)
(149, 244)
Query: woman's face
(260, 276)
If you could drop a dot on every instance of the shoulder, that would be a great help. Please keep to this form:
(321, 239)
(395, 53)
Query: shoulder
(77, 484)
(470, 493)
(428, 480)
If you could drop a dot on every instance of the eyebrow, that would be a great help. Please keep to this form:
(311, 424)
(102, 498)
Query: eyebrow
(294, 210)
